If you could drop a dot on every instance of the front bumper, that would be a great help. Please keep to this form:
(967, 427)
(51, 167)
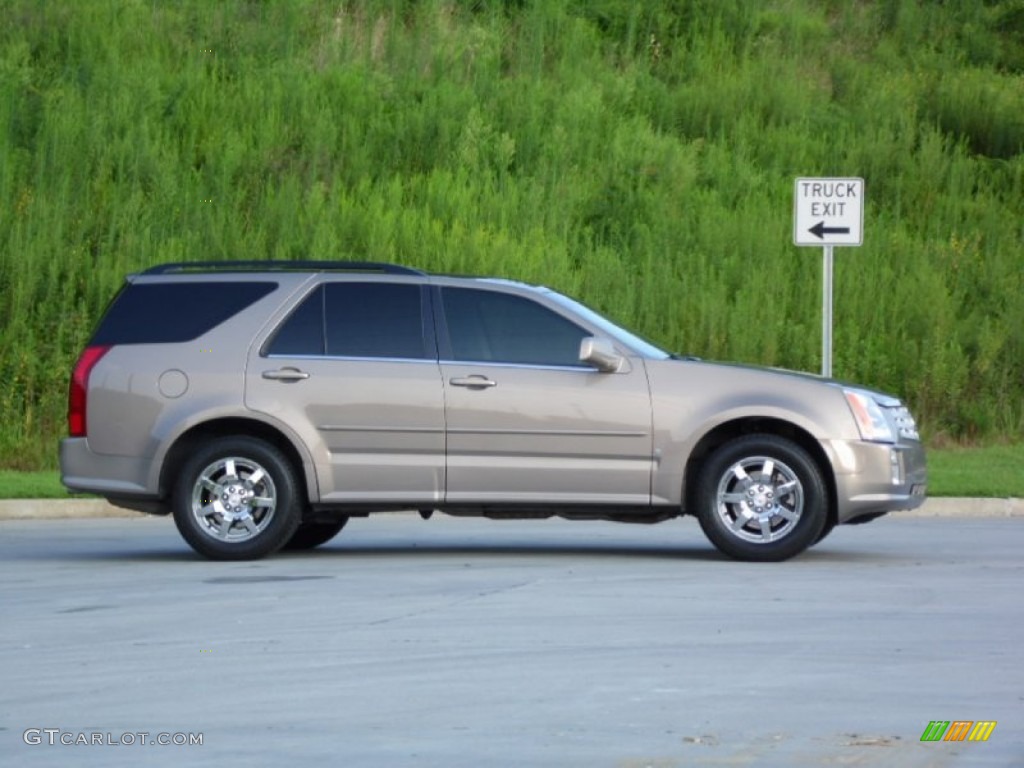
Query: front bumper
(874, 478)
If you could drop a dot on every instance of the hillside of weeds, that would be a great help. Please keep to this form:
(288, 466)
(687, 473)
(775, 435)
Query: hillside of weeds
(640, 156)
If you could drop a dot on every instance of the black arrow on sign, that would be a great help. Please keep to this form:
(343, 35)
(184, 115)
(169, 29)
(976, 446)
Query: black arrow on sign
(821, 230)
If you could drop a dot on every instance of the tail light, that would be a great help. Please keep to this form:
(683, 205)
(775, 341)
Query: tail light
(79, 389)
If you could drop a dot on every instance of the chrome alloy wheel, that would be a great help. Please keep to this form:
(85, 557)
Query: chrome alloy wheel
(233, 499)
(760, 499)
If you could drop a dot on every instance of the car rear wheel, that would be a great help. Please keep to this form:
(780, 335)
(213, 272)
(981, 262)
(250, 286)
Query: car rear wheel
(311, 535)
(237, 498)
(762, 498)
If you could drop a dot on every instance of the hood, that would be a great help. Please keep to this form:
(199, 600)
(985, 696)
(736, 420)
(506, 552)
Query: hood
(882, 398)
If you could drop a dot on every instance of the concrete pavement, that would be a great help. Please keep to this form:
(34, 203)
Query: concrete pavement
(465, 643)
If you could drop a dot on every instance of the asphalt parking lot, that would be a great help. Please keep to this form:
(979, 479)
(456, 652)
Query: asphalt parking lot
(464, 642)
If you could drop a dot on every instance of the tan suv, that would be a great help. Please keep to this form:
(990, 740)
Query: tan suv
(265, 403)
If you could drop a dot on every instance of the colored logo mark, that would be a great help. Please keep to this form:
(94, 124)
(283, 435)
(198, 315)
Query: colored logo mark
(958, 730)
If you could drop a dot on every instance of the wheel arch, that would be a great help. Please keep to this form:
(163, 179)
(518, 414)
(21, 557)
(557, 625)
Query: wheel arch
(726, 431)
(234, 426)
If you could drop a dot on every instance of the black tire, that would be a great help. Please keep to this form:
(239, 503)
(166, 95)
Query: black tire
(826, 530)
(237, 498)
(761, 498)
(311, 535)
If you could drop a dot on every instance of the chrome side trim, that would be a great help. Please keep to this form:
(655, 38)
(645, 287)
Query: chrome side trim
(367, 428)
(426, 360)
(433, 361)
(525, 366)
(546, 432)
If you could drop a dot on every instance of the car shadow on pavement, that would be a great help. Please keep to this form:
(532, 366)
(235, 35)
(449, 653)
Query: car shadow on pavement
(536, 552)
(87, 544)
(437, 550)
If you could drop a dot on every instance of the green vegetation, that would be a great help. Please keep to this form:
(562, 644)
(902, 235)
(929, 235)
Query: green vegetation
(992, 471)
(638, 155)
(42, 484)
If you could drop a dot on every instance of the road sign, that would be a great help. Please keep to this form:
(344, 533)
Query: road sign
(828, 212)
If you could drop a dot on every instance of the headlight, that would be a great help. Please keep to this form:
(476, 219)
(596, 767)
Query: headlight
(869, 417)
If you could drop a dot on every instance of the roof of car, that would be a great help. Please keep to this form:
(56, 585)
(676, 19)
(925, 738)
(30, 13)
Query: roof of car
(270, 265)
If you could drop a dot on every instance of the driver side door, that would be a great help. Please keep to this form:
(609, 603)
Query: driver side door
(527, 422)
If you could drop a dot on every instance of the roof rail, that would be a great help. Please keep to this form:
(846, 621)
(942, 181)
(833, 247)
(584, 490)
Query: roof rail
(281, 266)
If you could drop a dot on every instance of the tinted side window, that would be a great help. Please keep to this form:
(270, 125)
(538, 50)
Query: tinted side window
(486, 326)
(374, 320)
(302, 332)
(165, 313)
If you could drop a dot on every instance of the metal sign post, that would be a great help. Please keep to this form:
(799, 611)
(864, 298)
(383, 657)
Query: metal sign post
(827, 213)
(826, 313)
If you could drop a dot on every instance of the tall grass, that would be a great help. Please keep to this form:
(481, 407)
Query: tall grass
(639, 155)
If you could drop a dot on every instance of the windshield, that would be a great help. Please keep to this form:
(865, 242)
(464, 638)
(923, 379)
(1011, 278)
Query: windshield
(613, 331)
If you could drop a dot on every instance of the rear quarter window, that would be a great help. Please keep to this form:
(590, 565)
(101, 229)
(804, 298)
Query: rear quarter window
(167, 313)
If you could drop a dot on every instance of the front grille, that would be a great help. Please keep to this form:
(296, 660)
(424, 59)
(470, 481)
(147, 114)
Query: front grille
(905, 424)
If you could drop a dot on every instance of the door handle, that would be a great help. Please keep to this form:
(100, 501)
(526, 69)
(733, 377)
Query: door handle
(475, 381)
(286, 374)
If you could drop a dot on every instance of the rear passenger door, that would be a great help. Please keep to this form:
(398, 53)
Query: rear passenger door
(353, 370)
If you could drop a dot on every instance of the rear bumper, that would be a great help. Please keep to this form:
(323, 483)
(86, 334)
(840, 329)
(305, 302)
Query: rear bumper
(83, 470)
(873, 478)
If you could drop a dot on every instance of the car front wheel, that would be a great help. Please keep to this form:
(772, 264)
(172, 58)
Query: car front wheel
(762, 498)
(237, 498)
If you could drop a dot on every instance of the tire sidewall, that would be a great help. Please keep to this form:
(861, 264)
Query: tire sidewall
(813, 517)
(287, 512)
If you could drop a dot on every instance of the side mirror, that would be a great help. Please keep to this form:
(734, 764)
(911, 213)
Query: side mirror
(600, 353)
